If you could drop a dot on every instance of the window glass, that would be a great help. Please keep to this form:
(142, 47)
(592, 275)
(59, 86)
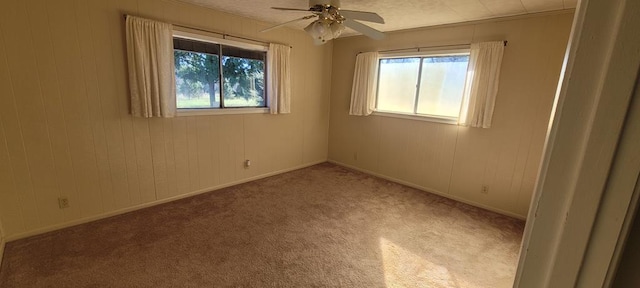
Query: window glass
(199, 75)
(428, 84)
(441, 85)
(397, 84)
(197, 80)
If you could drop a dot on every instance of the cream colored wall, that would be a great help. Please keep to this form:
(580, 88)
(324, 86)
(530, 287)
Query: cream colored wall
(447, 159)
(66, 131)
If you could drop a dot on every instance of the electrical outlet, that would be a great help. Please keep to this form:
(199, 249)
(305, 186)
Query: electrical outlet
(247, 164)
(63, 202)
(485, 189)
(355, 156)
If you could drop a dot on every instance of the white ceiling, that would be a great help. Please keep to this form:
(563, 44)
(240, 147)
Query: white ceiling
(398, 15)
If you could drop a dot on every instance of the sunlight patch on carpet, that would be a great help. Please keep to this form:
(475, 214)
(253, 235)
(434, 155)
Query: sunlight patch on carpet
(402, 268)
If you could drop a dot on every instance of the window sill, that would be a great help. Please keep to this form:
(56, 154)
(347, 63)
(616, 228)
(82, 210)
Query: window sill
(443, 120)
(225, 111)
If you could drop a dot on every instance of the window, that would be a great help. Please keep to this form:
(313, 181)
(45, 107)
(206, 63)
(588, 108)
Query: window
(429, 84)
(215, 75)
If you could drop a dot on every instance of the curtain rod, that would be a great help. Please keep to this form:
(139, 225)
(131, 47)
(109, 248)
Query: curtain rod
(224, 35)
(418, 48)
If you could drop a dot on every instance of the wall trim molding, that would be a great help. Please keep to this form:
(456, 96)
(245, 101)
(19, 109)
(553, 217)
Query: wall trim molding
(88, 219)
(430, 190)
(478, 21)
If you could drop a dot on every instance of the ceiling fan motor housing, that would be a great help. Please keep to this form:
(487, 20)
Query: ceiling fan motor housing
(334, 3)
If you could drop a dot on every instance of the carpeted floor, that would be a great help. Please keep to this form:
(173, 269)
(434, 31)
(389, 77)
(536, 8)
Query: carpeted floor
(320, 226)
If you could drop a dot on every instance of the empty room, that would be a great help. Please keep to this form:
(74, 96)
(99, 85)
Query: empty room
(320, 143)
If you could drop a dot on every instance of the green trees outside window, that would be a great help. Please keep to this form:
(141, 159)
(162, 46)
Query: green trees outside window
(198, 75)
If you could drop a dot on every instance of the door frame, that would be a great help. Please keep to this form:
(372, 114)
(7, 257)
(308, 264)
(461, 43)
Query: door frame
(580, 204)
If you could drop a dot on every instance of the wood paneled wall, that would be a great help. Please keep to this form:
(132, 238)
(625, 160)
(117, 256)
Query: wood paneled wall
(457, 161)
(65, 127)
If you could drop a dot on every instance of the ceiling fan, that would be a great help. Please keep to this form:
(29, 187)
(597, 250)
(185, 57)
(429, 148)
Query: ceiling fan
(331, 21)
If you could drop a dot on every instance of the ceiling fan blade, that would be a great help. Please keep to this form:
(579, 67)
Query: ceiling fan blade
(288, 22)
(289, 9)
(364, 29)
(363, 16)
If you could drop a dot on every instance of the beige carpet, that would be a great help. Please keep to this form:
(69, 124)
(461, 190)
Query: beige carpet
(320, 226)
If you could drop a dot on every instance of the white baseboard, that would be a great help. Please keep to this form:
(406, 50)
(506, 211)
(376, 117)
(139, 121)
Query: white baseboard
(148, 204)
(430, 190)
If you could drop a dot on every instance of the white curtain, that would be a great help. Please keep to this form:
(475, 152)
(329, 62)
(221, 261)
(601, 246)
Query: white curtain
(482, 84)
(151, 68)
(363, 91)
(279, 78)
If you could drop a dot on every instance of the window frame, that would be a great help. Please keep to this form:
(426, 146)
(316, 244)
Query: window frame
(422, 53)
(201, 36)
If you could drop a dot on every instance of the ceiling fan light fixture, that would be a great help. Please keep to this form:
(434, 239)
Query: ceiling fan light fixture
(336, 29)
(331, 21)
(320, 31)
(318, 42)
(317, 29)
